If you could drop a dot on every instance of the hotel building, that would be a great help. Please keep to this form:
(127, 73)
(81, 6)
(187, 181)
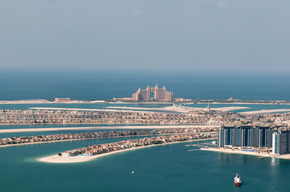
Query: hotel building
(61, 100)
(160, 94)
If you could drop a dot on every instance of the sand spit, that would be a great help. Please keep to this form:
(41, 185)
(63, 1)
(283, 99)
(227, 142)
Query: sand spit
(103, 127)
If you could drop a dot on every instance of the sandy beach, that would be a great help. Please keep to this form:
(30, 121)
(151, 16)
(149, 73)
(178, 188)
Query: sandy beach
(286, 156)
(265, 111)
(232, 151)
(103, 127)
(82, 158)
(223, 150)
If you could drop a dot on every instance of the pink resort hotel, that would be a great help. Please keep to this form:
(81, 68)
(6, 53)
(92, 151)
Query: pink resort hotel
(159, 94)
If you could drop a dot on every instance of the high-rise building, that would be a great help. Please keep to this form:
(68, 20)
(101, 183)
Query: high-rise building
(281, 141)
(245, 136)
(256, 136)
(221, 140)
(159, 94)
(276, 143)
(225, 136)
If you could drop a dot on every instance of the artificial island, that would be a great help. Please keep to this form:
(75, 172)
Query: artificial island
(263, 133)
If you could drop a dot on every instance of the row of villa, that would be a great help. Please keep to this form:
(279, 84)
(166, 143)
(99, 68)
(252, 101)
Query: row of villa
(30, 117)
(127, 144)
(99, 134)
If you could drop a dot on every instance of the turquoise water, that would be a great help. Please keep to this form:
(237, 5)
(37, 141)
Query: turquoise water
(161, 168)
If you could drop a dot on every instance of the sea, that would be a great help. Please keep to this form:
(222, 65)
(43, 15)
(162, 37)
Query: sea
(98, 85)
(176, 167)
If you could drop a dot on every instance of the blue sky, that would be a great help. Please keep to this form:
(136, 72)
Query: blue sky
(189, 35)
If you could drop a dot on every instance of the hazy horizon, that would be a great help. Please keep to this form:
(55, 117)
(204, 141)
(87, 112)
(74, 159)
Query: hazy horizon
(201, 35)
(93, 85)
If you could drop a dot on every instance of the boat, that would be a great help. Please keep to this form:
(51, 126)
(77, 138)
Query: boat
(237, 180)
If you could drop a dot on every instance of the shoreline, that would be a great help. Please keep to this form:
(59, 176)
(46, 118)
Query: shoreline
(231, 151)
(82, 158)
